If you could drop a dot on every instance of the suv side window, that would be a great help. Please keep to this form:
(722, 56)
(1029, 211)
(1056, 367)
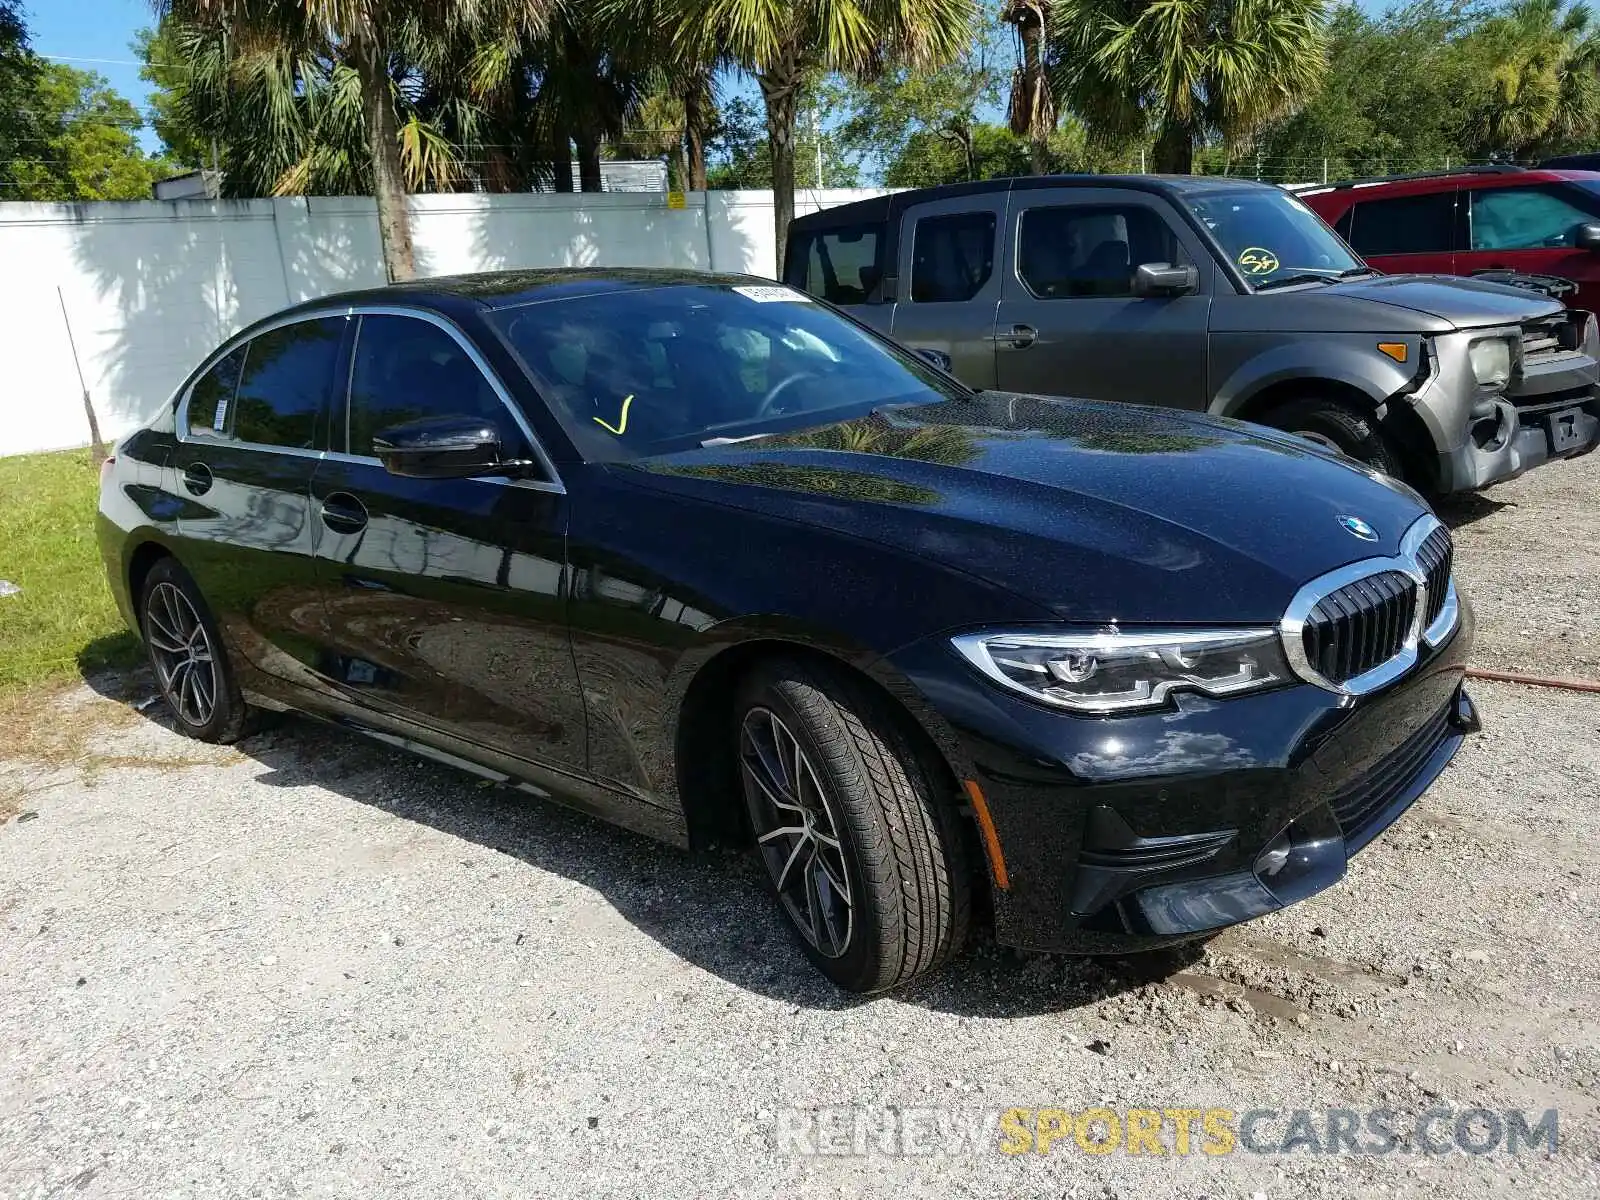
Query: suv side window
(1524, 218)
(839, 265)
(404, 369)
(1086, 250)
(212, 396)
(1404, 225)
(951, 257)
(287, 375)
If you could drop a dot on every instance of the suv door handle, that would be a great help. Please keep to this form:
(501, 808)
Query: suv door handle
(343, 513)
(197, 479)
(1018, 337)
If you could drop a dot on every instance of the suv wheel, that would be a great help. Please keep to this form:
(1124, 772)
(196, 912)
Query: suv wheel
(186, 654)
(1338, 426)
(862, 848)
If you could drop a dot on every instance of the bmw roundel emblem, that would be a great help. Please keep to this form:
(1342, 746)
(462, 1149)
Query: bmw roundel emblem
(1356, 527)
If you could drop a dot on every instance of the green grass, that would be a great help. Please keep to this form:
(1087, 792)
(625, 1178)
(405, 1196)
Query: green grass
(64, 622)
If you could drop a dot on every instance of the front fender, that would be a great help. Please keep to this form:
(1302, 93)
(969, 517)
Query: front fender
(1248, 368)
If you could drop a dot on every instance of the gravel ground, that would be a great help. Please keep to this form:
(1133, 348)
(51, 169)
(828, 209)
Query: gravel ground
(313, 966)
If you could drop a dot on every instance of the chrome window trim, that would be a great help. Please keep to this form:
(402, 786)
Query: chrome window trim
(1291, 627)
(355, 312)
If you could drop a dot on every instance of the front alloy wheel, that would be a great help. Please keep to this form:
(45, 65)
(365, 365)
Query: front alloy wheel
(796, 832)
(856, 823)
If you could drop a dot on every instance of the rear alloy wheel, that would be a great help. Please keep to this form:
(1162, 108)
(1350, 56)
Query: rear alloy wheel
(862, 848)
(186, 655)
(1335, 425)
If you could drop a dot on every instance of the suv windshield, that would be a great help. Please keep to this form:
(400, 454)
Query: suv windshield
(1270, 236)
(634, 373)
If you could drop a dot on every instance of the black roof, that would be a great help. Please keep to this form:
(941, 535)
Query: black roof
(509, 289)
(881, 207)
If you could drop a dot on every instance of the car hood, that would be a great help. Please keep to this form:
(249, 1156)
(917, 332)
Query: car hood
(1464, 303)
(1098, 512)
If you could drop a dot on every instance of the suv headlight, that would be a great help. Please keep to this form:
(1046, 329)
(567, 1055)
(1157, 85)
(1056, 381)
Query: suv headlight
(1491, 361)
(1111, 672)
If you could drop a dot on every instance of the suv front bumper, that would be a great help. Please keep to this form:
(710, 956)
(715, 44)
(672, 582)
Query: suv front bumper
(1549, 410)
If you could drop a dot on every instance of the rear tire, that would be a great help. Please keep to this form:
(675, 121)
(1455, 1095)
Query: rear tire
(1336, 425)
(188, 658)
(862, 845)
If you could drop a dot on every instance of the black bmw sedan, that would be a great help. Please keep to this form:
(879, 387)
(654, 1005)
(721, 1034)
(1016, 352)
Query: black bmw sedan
(704, 557)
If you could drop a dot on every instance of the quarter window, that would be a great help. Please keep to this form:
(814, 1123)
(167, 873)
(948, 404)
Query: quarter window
(1091, 251)
(1405, 225)
(406, 369)
(839, 265)
(211, 398)
(952, 257)
(1524, 218)
(285, 382)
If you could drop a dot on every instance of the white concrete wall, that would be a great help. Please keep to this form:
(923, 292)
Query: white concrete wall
(151, 287)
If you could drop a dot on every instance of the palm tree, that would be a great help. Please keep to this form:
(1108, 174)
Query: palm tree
(352, 54)
(785, 42)
(1543, 68)
(1189, 67)
(1033, 106)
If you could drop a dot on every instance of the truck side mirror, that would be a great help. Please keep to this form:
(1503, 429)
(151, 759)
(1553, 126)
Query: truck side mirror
(1164, 279)
(1587, 237)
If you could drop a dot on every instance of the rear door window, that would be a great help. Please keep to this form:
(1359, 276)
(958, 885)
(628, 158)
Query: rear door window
(283, 390)
(839, 265)
(952, 257)
(211, 398)
(1404, 225)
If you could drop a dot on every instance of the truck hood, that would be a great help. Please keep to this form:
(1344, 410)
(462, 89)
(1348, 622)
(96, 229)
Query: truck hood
(1096, 512)
(1464, 303)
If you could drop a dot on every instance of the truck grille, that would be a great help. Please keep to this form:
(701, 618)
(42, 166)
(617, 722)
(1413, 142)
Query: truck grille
(1360, 626)
(1435, 556)
(1547, 337)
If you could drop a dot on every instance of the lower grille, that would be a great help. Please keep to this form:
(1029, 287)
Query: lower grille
(1361, 626)
(1358, 803)
(1435, 557)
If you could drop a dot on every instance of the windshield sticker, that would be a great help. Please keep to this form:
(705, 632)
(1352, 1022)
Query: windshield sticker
(1255, 260)
(622, 422)
(220, 421)
(773, 295)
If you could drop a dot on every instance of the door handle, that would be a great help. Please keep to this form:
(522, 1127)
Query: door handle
(343, 513)
(1018, 337)
(197, 479)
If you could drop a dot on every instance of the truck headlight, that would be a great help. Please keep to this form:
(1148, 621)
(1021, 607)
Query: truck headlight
(1491, 361)
(1103, 673)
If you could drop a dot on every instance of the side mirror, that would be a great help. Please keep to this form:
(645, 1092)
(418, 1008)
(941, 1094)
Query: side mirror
(441, 448)
(1587, 237)
(1164, 279)
(937, 357)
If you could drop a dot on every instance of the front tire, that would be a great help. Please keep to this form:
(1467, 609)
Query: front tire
(187, 655)
(862, 846)
(1336, 425)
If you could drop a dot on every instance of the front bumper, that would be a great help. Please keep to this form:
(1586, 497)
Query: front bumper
(1550, 410)
(1129, 833)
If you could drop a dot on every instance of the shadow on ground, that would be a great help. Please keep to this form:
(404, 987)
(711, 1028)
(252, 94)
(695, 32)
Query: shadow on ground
(1467, 508)
(710, 908)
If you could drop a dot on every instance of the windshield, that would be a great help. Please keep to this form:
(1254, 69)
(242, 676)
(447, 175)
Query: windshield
(634, 373)
(1270, 235)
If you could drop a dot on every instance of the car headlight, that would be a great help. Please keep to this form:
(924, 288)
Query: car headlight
(1108, 672)
(1491, 361)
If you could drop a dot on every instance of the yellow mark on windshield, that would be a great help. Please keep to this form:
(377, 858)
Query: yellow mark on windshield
(622, 426)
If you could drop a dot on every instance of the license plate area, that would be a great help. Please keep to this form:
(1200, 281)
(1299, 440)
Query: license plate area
(1566, 429)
